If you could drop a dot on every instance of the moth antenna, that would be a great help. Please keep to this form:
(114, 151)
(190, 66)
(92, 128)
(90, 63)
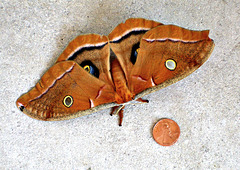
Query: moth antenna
(120, 108)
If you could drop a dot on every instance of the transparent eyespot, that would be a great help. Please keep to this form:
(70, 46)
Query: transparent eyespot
(137, 50)
(134, 53)
(68, 101)
(171, 64)
(90, 68)
(87, 68)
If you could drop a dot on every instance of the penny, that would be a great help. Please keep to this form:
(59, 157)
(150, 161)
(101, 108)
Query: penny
(166, 132)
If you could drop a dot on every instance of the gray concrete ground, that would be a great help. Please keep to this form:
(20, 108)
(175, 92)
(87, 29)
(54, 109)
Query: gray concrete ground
(206, 105)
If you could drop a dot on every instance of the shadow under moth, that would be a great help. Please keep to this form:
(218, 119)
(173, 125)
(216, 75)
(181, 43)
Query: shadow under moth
(149, 57)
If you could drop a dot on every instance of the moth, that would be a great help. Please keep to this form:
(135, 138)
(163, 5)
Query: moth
(84, 79)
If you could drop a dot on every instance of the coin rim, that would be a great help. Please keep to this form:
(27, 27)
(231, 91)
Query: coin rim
(155, 135)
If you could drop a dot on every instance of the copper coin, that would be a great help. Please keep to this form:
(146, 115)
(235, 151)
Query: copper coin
(166, 132)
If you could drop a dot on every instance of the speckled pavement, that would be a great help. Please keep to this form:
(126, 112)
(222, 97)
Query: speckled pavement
(206, 104)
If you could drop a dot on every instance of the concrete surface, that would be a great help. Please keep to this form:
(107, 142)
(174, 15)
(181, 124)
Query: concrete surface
(206, 105)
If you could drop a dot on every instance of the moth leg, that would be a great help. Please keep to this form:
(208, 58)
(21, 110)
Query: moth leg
(120, 113)
(142, 100)
(113, 110)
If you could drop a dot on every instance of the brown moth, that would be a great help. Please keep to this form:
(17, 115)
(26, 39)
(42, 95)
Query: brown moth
(149, 56)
